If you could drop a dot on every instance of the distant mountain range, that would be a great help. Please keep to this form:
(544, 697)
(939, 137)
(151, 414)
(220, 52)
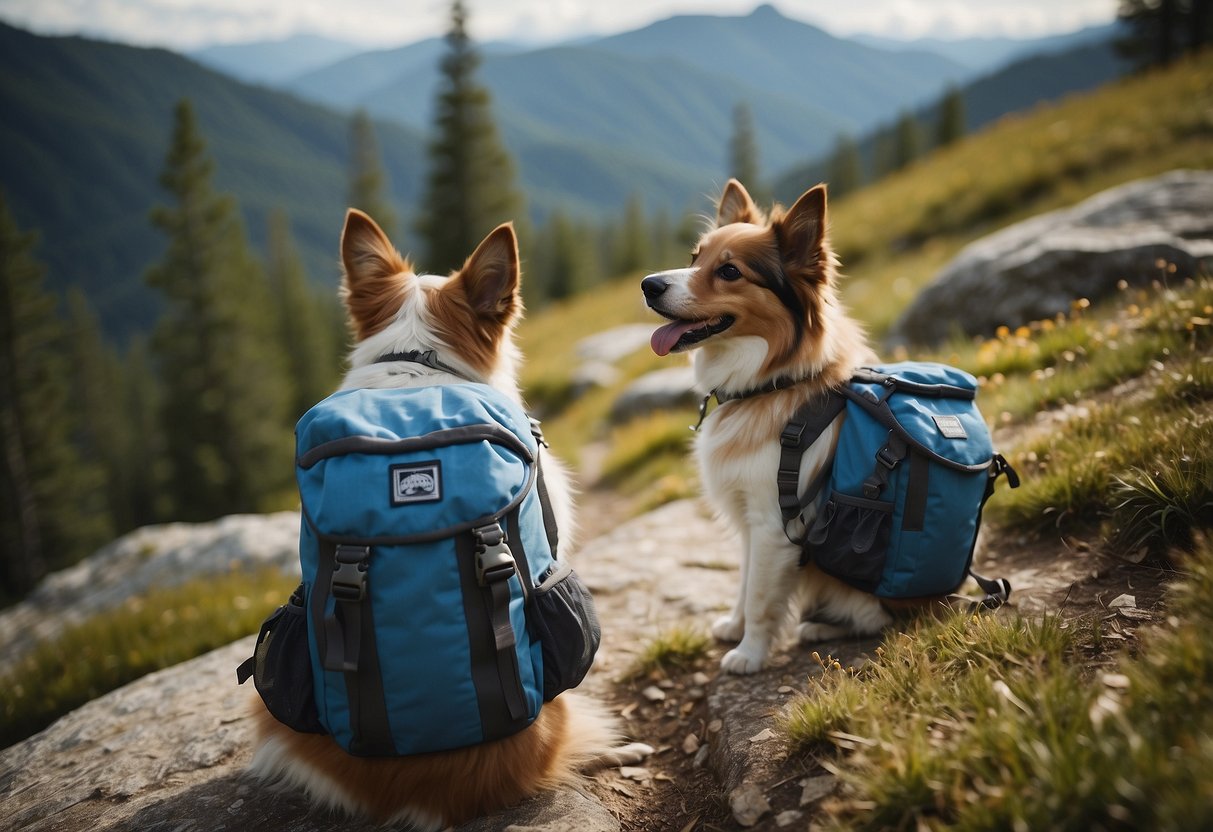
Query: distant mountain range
(648, 112)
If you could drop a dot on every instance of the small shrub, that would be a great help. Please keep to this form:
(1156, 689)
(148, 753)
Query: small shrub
(677, 649)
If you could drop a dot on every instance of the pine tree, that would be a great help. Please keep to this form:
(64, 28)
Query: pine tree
(743, 153)
(51, 503)
(370, 187)
(951, 125)
(225, 396)
(470, 185)
(907, 145)
(310, 341)
(846, 168)
(630, 246)
(108, 435)
(1160, 31)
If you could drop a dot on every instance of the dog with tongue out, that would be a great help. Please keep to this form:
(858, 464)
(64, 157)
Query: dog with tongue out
(758, 310)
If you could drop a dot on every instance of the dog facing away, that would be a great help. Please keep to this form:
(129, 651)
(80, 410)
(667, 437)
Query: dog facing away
(759, 307)
(467, 319)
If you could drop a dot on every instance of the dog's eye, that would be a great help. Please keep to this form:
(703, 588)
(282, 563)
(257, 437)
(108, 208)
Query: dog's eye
(728, 272)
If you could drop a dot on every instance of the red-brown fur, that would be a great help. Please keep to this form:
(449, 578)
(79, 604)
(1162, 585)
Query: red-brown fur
(467, 317)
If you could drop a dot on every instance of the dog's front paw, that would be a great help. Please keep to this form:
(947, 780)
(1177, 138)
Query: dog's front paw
(624, 755)
(811, 632)
(728, 628)
(742, 661)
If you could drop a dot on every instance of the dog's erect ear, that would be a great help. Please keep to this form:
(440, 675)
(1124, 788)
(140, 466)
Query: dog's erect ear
(736, 205)
(490, 276)
(375, 274)
(801, 231)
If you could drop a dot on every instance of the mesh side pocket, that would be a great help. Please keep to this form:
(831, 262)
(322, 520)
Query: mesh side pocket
(850, 539)
(565, 623)
(282, 672)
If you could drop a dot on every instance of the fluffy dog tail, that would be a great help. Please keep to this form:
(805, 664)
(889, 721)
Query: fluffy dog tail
(440, 789)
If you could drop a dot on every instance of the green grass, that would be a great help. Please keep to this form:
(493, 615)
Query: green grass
(894, 236)
(1022, 165)
(676, 649)
(158, 630)
(981, 722)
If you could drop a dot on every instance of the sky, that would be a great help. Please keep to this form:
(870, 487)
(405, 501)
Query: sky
(188, 24)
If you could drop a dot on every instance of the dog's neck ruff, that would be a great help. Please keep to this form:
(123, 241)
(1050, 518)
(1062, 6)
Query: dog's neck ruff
(780, 383)
(425, 358)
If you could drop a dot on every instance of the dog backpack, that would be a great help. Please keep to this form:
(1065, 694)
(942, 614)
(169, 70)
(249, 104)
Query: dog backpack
(899, 509)
(434, 613)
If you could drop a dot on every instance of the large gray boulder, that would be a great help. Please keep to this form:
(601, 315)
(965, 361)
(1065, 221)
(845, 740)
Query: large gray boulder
(1037, 268)
(150, 557)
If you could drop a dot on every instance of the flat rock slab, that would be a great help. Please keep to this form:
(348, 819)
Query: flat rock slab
(168, 752)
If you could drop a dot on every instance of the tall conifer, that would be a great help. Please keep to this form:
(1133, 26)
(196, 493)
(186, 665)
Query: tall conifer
(370, 188)
(309, 338)
(470, 185)
(846, 167)
(743, 152)
(225, 396)
(951, 118)
(52, 508)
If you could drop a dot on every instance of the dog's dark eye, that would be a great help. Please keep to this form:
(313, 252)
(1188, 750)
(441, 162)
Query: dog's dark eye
(728, 272)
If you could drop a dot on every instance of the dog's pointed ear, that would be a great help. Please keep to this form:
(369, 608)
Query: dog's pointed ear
(375, 274)
(736, 205)
(801, 231)
(490, 277)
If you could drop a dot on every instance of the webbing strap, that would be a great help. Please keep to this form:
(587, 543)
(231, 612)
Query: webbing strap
(801, 431)
(495, 675)
(342, 631)
(545, 507)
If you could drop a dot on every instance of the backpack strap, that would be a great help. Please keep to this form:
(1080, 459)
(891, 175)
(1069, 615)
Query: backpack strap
(541, 488)
(802, 430)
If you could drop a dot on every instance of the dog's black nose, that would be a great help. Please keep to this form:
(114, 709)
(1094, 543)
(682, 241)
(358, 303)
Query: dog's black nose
(654, 286)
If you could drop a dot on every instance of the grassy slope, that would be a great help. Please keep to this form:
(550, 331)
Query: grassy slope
(894, 236)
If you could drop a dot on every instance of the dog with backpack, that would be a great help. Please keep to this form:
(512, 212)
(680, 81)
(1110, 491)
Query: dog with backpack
(856, 488)
(421, 671)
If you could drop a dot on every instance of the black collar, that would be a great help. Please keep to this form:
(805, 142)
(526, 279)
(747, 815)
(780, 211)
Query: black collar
(780, 383)
(426, 359)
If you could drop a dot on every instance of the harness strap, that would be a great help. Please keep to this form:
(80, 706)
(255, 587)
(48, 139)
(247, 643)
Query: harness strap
(802, 430)
(426, 358)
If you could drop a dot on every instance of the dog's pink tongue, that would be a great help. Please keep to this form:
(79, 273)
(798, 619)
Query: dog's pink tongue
(666, 337)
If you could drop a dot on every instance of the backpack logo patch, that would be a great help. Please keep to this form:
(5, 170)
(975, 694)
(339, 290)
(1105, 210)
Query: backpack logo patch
(418, 482)
(950, 427)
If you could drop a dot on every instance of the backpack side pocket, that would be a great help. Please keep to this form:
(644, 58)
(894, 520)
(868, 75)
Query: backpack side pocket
(850, 539)
(564, 621)
(282, 667)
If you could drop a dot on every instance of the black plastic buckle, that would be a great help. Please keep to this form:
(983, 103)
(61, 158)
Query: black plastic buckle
(886, 457)
(494, 560)
(792, 433)
(349, 572)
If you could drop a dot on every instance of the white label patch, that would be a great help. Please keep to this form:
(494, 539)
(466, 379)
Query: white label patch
(950, 427)
(419, 482)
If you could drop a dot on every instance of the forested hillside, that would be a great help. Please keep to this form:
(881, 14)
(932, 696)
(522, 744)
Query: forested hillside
(85, 129)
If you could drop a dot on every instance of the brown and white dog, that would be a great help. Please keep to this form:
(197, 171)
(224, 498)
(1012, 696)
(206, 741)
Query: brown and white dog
(467, 319)
(759, 307)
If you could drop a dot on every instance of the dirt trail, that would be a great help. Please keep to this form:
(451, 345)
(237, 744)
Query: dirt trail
(677, 566)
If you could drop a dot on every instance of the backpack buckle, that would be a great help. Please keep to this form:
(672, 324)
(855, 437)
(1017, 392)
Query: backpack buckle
(494, 560)
(349, 572)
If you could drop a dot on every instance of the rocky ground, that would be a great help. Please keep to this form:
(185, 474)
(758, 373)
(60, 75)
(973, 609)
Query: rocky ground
(167, 752)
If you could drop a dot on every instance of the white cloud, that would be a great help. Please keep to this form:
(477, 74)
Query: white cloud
(190, 23)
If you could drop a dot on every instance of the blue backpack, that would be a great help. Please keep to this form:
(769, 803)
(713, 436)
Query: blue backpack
(899, 509)
(434, 613)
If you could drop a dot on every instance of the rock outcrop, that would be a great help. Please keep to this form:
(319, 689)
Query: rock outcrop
(1152, 229)
(153, 556)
